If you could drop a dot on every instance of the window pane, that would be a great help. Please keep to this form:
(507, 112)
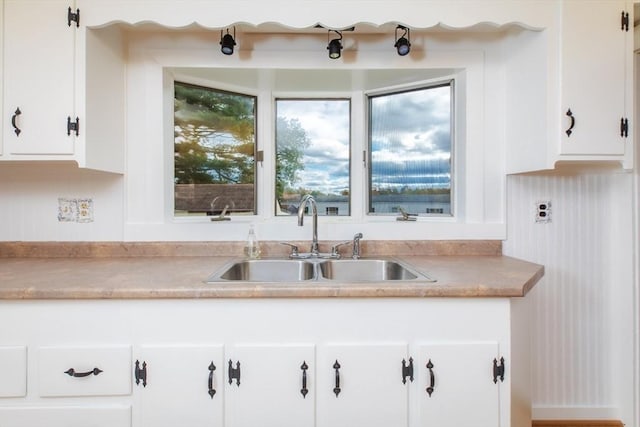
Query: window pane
(312, 154)
(214, 143)
(410, 152)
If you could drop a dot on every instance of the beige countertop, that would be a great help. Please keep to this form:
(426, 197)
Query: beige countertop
(149, 277)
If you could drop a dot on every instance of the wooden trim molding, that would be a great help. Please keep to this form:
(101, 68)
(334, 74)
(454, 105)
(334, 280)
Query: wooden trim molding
(576, 423)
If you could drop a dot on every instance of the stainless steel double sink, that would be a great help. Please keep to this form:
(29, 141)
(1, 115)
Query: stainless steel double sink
(300, 270)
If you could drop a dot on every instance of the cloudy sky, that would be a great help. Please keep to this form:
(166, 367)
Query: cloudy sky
(410, 133)
(326, 122)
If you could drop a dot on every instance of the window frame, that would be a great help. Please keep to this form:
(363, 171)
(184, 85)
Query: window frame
(412, 87)
(220, 88)
(314, 97)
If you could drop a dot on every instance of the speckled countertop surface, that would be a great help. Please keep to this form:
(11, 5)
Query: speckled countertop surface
(72, 271)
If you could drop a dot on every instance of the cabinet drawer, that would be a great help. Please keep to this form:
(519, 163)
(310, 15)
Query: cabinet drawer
(84, 371)
(94, 416)
(13, 371)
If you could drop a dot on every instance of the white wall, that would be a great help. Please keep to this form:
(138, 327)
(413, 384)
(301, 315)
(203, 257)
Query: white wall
(29, 195)
(583, 307)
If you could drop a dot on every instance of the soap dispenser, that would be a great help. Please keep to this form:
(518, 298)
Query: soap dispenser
(252, 246)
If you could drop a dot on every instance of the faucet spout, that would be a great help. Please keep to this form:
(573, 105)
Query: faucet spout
(308, 199)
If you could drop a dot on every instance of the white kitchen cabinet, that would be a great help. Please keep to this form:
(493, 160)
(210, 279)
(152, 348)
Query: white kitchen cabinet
(39, 77)
(595, 92)
(169, 347)
(64, 97)
(13, 371)
(569, 88)
(361, 384)
(182, 385)
(84, 371)
(270, 388)
(2, 118)
(457, 375)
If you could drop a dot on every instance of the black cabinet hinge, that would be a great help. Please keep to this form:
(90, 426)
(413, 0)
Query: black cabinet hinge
(407, 370)
(75, 17)
(498, 370)
(624, 22)
(234, 373)
(624, 127)
(73, 126)
(140, 374)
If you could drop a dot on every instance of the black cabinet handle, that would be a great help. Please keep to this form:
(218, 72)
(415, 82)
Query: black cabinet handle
(304, 389)
(573, 122)
(16, 129)
(432, 378)
(337, 389)
(234, 373)
(72, 373)
(212, 391)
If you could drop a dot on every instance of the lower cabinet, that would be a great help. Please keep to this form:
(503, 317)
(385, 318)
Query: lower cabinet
(360, 384)
(13, 371)
(156, 364)
(82, 415)
(179, 385)
(456, 386)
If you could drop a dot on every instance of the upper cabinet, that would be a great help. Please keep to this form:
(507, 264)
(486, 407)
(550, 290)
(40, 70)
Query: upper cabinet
(596, 78)
(569, 88)
(566, 73)
(64, 96)
(38, 73)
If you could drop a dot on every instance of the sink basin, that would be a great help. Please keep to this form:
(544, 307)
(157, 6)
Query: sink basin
(265, 270)
(368, 270)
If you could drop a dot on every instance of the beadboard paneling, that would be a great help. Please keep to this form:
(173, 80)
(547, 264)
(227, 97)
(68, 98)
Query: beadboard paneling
(588, 276)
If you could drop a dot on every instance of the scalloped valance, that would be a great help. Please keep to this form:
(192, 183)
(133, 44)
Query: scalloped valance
(370, 15)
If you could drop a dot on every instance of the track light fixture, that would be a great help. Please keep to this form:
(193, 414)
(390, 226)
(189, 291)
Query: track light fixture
(334, 46)
(403, 44)
(227, 42)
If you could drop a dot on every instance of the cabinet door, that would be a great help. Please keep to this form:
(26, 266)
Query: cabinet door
(179, 386)
(462, 391)
(2, 118)
(594, 90)
(270, 389)
(38, 76)
(366, 389)
(13, 371)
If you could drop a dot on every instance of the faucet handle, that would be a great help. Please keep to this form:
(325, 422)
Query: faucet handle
(356, 246)
(294, 250)
(334, 249)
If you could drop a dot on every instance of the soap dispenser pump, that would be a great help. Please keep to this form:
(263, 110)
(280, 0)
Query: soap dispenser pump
(252, 246)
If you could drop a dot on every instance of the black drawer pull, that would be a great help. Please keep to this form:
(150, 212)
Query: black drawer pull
(72, 373)
(212, 391)
(16, 129)
(304, 390)
(337, 388)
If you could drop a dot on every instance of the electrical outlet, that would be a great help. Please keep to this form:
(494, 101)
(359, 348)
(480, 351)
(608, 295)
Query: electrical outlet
(543, 211)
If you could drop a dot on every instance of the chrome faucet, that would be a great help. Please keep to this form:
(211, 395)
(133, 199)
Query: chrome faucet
(308, 199)
(355, 254)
